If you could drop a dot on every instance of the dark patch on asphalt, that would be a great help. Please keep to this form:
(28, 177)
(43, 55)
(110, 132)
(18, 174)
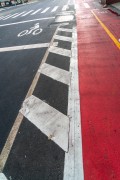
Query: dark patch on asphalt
(63, 44)
(59, 61)
(52, 92)
(17, 70)
(63, 33)
(33, 156)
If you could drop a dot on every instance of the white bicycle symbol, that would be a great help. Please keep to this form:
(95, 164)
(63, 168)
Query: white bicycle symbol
(35, 30)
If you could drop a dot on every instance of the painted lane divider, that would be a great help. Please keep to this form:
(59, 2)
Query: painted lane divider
(65, 30)
(63, 38)
(60, 51)
(51, 122)
(55, 73)
(2, 177)
(31, 46)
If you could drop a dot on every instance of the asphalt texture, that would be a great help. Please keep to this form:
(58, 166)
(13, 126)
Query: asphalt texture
(33, 156)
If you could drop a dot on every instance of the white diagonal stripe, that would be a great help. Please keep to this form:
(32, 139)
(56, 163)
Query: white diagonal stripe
(51, 122)
(63, 38)
(36, 12)
(60, 51)
(55, 73)
(73, 167)
(10, 16)
(1, 17)
(31, 46)
(19, 14)
(54, 9)
(65, 30)
(45, 10)
(86, 5)
(64, 7)
(2, 177)
(27, 13)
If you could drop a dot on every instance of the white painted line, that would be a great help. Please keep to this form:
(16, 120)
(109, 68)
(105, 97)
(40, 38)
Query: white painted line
(31, 46)
(63, 38)
(27, 13)
(51, 122)
(19, 14)
(73, 167)
(45, 10)
(36, 12)
(65, 30)
(55, 8)
(21, 22)
(55, 73)
(64, 18)
(2, 177)
(86, 5)
(77, 6)
(1, 17)
(64, 7)
(10, 16)
(60, 51)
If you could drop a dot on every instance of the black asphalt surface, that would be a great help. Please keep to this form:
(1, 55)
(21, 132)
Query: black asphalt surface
(33, 156)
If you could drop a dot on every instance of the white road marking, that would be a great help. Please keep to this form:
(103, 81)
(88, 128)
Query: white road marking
(55, 73)
(11, 15)
(64, 18)
(21, 22)
(2, 177)
(45, 10)
(31, 46)
(54, 9)
(64, 7)
(27, 13)
(1, 17)
(73, 167)
(65, 30)
(50, 121)
(36, 12)
(86, 5)
(63, 38)
(19, 14)
(60, 51)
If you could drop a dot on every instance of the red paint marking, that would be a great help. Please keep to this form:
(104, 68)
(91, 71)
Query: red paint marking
(99, 76)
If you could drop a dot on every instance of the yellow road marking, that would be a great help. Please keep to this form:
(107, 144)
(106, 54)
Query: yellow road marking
(117, 43)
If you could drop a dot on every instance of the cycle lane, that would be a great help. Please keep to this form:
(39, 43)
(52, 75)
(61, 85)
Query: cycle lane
(99, 69)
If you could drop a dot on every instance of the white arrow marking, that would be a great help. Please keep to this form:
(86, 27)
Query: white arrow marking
(31, 46)
(55, 73)
(51, 122)
(2, 177)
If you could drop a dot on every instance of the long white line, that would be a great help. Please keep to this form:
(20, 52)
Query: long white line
(45, 10)
(21, 22)
(73, 167)
(31, 46)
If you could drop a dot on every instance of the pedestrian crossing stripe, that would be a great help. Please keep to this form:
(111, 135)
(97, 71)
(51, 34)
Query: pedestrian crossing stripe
(33, 12)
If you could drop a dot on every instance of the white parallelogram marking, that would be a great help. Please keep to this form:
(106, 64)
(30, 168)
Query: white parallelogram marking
(51, 122)
(31, 46)
(73, 167)
(1, 17)
(11, 15)
(86, 5)
(63, 38)
(54, 9)
(65, 30)
(27, 13)
(64, 7)
(2, 177)
(45, 10)
(19, 14)
(36, 12)
(60, 51)
(22, 22)
(55, 73)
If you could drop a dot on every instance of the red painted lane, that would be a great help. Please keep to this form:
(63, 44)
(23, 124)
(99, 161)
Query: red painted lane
(99, 83)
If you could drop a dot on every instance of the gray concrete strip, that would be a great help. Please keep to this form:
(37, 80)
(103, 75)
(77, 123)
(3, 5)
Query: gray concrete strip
(51, 122)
